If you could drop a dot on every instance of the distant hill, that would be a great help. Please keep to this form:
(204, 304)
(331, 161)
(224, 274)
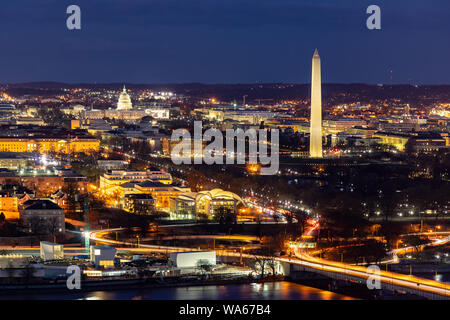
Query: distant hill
(332, 92)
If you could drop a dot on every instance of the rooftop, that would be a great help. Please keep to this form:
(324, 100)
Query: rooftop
(41, 205)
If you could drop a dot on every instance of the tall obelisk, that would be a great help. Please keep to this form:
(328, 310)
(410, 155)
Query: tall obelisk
(315, 138)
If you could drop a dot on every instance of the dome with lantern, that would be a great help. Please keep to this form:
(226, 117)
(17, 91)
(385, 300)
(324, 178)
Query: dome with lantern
(124, 102)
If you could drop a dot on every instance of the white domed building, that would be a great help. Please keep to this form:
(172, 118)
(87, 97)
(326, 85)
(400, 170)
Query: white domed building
(124, 102)
(204, 203)
(208, 202)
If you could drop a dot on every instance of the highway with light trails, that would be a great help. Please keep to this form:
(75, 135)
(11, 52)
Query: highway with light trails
(331, 268)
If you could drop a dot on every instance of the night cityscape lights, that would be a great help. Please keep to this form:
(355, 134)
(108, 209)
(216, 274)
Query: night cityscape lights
(198, 151)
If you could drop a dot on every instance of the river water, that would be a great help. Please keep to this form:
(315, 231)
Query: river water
(255, 291)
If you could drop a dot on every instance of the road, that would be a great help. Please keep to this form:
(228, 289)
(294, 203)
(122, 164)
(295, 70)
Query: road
(304, 260)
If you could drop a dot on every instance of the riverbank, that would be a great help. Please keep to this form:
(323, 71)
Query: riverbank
(270, 290)
(60, 286)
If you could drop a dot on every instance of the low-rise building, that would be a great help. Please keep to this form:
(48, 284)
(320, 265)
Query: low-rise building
(44, 182)
(43, 216)
(398, 126)
(138, 203)
(193, 259)
(334, 126)
(427, 143)
(11, 197)
(116, 178)
(161, 192)
(45, 139)
(14, 161)
(205, 203)
(209, 202)
(183, 205)
(102, 256)
(51, 251)
(106, 164)
(189, 150)
(397, 140)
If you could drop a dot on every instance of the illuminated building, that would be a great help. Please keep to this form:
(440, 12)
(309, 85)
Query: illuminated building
(95, 126)
(192, 259)
(161, 192)
(404, 126)
(75, 110)
(13, 160)
(116, 178)
(8, 109)
(158, 112)
(163, 95)
(44, 182)
(14, 261)
(124, 102)
(46, 139)
(397, 140)
(11, 197)
(111, 164)
(442, 111)
(125, 114)
(315, 140)
(364, 132)
(117, 184)
(102, 256)
(294, 125)
(205, 202)
(142, 204)
(30, 120)
(9, 207)
(240, 115)
(359, 141)
(75, 124)
(427, 143)
(183, 205)
(124, 111)
(51, 251)
(190, 152)
(333, 126)
(208, 202)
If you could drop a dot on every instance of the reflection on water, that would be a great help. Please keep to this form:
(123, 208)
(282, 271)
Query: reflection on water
(268, 291)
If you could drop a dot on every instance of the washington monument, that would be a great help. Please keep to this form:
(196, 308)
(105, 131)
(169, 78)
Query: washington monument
(315, 138)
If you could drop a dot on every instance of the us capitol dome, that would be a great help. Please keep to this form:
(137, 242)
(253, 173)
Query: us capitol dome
(124, 102)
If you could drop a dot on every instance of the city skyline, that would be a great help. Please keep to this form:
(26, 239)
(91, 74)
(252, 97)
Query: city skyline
(203, 150)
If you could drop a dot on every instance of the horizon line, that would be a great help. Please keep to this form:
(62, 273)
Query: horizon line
(214, 83)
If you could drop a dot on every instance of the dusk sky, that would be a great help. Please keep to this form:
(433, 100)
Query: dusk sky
(229, 41)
